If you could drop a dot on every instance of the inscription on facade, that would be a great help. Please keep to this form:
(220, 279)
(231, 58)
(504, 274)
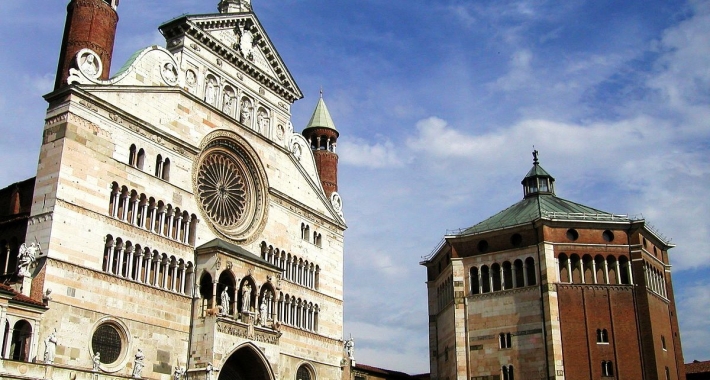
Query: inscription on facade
(241, 332)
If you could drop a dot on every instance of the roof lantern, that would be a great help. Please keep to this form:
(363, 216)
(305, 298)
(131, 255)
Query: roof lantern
(537, 181)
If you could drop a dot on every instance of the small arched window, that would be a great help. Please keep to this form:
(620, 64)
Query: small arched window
(165, 174)
(140, 159)
(132, 155)
(607, 369)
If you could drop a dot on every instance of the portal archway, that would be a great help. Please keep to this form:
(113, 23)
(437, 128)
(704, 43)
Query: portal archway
(246, 363)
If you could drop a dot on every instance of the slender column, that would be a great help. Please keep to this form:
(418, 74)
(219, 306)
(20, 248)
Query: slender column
(569, 271)
(480, 283)
(526, 282)
(125, 200)
(109, 262)
(490, 278)
(129, 263)
(134, 211)
(178, 228)
(119, 262)
(139, 268)
(214, 295)
(114, 209)
(173, 282)
(161, 222)
(618, 272)
(169, 232)
(7, 259)
(144, 216)
(594, 270)
(182, 279)
(606, 272)
(514, 275)
(631, 275)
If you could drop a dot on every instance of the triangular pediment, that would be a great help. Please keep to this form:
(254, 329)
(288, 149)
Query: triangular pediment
(240, 39)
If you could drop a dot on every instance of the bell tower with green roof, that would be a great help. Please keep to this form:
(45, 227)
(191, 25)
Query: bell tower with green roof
(323, 137)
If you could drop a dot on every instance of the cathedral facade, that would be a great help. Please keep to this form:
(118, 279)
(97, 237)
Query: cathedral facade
(178, 225)
(552, 289)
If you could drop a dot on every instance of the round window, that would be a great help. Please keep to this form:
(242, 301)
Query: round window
(572, 234)
(107, 341)
(516, 240)
(230, 185)
(608, 236)
(482, 246)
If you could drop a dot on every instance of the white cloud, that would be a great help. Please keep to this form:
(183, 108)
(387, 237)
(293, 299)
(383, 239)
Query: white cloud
(358, 152)
(694, 318)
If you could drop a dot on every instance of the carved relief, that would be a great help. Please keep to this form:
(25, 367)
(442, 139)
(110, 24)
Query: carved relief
(169, 74)
(228, 96)
(245, 110)
(211, 90)
(89, 63)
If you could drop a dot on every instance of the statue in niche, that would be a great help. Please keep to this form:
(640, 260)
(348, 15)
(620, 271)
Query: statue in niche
(224, 297)
(138, 365)
(96, 361)
(190, 78)
(211, 91)
(228, 101)
(262, 121)
(26, 257)
(262, 313)
(245, 113)
(246, 298)
(50, 347)
(88, 65)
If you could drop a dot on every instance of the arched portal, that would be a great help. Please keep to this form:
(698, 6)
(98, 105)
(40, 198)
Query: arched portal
(246, 363)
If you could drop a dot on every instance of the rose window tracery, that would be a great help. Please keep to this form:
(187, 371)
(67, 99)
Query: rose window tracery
(231, 187)
(221, 189)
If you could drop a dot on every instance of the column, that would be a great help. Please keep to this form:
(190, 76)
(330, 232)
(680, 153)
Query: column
(606, 272)
(594, 270)
(182, 279)
(569, 270)
(125, 199)
(169, 223)
(119, 262)
(173, 281)
(134, 211)
(514, 274)
(480, 283)
(114, 209)
(109, 261)
(144, 216)
(525, 273)
(618, 272)
(129, 263)
(631, 274)
(161, 222)
(502, 278)
(178, 228)
(139, 269)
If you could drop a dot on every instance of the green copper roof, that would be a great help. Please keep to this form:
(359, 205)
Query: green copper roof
(321, 117)
(546, 206)
(537, 171)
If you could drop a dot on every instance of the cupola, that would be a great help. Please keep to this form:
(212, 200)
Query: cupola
(537, 181)
(234, 6)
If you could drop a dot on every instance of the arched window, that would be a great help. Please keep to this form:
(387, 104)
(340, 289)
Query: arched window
(505, 340)
(496, 276)
(624, 270)
(507, 276)
(530, 271)
(602, 336)
(575, 262)
(518, 269)
(132, 155)
(140, 159)
(607, 368)
(159, 166)
(206, 292)
(600, 264)
(613, 270)
(485, 279)
(663, 343)
(165, 174)
(304, 373)
(475, 284)
(507, 372)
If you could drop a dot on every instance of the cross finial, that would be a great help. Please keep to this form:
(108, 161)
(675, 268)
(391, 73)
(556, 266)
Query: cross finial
(535, 156)
(321, 92)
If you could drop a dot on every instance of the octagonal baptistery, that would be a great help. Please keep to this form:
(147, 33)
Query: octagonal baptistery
(550, 288)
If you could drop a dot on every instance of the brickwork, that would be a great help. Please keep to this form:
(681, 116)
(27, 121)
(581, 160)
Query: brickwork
(90, 24)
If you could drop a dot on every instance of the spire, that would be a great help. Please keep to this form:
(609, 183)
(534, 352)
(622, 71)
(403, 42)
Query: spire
(321, 117)
(537, 181)
(234, 6)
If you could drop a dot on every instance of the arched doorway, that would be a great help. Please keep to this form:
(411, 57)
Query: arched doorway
(20, 345)
(246, 363)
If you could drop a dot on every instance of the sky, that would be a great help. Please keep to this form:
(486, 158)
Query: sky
(439, 104)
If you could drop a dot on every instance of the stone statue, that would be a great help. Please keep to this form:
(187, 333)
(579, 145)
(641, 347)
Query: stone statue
(50, 347)
(245, 117)
(224, 297)
(96, 360)
(211, 91)
(179, 373)
(208, 371)
(262, 313)
(47, 297)
(26, 257)
(89, 66)
(227, 102)
(350, 348)
(246, 298)
(190, 78)
(262, 121)
(138, 365)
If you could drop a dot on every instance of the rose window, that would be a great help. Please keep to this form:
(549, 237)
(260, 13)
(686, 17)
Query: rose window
(231, 187)
(221, 189)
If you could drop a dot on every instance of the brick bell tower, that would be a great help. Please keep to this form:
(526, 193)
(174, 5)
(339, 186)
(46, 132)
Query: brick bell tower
(91, 24)
(323, 136)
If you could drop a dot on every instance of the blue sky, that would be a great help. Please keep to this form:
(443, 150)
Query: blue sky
(439, 104)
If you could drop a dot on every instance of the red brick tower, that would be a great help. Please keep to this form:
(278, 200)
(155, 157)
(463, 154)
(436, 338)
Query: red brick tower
(323, 136)
(91, 24)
